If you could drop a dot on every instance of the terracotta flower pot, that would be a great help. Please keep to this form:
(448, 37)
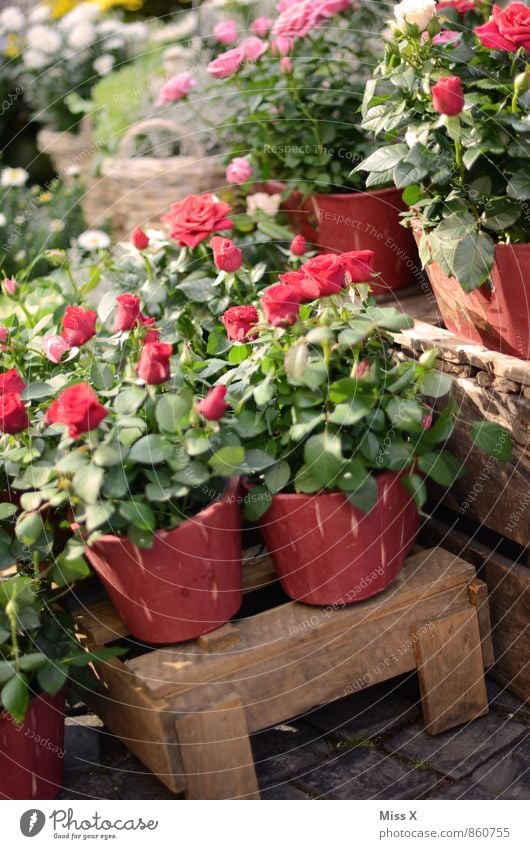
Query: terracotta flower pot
(497, 314)
(187, 584)
(32, 752)
(358, 221)
(327, 552)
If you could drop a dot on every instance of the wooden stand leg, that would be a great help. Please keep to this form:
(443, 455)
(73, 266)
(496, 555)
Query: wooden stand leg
(216, 752)
(451, 670)
(478, 596)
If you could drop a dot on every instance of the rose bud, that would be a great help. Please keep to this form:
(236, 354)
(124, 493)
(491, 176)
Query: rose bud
(4, 334)
(426, 421)
(54, 347)
(239, 322)
(140, 239)
(153, 365)
(214, 406)
(362, 368)
(281, 304)
(226, 31)
(239, 171)
(358, 265)
(286, 66)
(261, 26)
(128, 312)
(447, 96)
(226, 255)
(10, 381)
(79, 325)
(298, 246)
(13, 414)
(175, 89)
(9, 286)
(78, 408)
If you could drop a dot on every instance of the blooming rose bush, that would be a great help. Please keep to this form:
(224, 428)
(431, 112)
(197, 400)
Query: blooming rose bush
(455, 113)
(320, 389)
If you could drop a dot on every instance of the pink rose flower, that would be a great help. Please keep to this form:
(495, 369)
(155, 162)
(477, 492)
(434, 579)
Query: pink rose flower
(239, 171)
(9, 286)
(227, 64)
(298, 246)
(176, 88)
(253, 47)
(286, 66)
(282, 45)
(297, 20)
(226, 31)
(4, 334)
(261, 26)
(329, 8)
(54, 347)
(447, 36)
(507, 29)
(461, 6)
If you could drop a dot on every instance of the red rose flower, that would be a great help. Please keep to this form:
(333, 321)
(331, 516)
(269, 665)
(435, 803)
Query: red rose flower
(195, 218)
(10, 381)
(447, 96)
(507, 29)
(327, 272)
(239, 322)
(140, 239)
(306, 288)
(226, 255)
(281, 304)
(214, 406)
(298, 245)
(461, 6)
(152, 336)
(128, 312)
(77, 407)
(153, 365)
(13, 414)
(79, 325)
(358, 265)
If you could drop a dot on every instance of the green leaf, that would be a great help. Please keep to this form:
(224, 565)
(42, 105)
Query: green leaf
(349, 414)
(36, 391)
(87, 483)
(354, 476)
(405, 414)
(7, 670)
(256, 460)
(15, 696)
(52, 678)
(323, 456)
(277, 476)
(264, 392)
(473, 260)
(151, 449)
(201, 291)
(139, 537)
(129, 400)
(29, 528)
(109, 455)
(227, 460)
(415, 486)
(170, 410)
(518, 186)
(33, 661)
(384, 158)
(97, 515)
(296, 359)
(257, 502)
(365, 497)
(101, 375)
(138, 514)
(7, 509)
(305, 481)
(411, 195)
(441, 466)
(493, 439)
(435, 384)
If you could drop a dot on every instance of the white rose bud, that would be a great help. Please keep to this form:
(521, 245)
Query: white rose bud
(419, 12)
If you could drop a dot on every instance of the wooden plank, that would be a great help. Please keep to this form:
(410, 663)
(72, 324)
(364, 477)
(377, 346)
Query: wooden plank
(423, 336)
(216, 752)
(269, 634)
(478, 596)
(220, 639)
(450, 670)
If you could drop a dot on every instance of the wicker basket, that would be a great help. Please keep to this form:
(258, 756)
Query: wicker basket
(136, 190)
(68, 151)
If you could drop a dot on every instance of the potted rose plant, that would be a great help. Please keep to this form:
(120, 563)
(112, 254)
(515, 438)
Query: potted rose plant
(305, 71)
(454, 107)
(348, 426)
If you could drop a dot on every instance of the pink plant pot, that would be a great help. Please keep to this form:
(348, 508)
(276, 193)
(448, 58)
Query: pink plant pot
(328, 552)
(357, 221)
(32, 752)
(187, 584)
(497, 314)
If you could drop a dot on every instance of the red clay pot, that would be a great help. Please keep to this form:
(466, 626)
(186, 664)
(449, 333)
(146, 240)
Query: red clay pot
(497, 314)
(187, 584)
(327, 552)
(32, 752)
(358, 221)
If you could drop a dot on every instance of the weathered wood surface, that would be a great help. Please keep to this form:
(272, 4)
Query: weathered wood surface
(508, 585)
(288, 659)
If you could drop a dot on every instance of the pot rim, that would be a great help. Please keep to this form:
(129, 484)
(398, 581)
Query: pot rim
(338, 195)
(229, 494)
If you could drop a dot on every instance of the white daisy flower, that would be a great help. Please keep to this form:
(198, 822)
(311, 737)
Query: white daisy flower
(93, 240)
(43, 38)
(13, 177)
(104, 64)
(56, 225)
(35, 59)
(82, 36)
(20, 256)
(39, 14)
(3, 220)
(11, 19)
(72, 171)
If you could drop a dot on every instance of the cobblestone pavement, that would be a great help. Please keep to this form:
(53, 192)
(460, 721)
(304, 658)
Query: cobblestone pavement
(370, 745)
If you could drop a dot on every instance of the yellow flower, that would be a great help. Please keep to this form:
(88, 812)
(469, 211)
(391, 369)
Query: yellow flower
(12, 46)
(45, 197)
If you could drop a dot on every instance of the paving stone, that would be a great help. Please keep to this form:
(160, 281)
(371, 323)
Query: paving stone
(458, 752)
(366, 773)
(371, 712)
(465, 789)
(282, 791)
(284, 751)
(501, 699)
(81, 742)
(141, 785)
(508, 775)
(89, 785)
